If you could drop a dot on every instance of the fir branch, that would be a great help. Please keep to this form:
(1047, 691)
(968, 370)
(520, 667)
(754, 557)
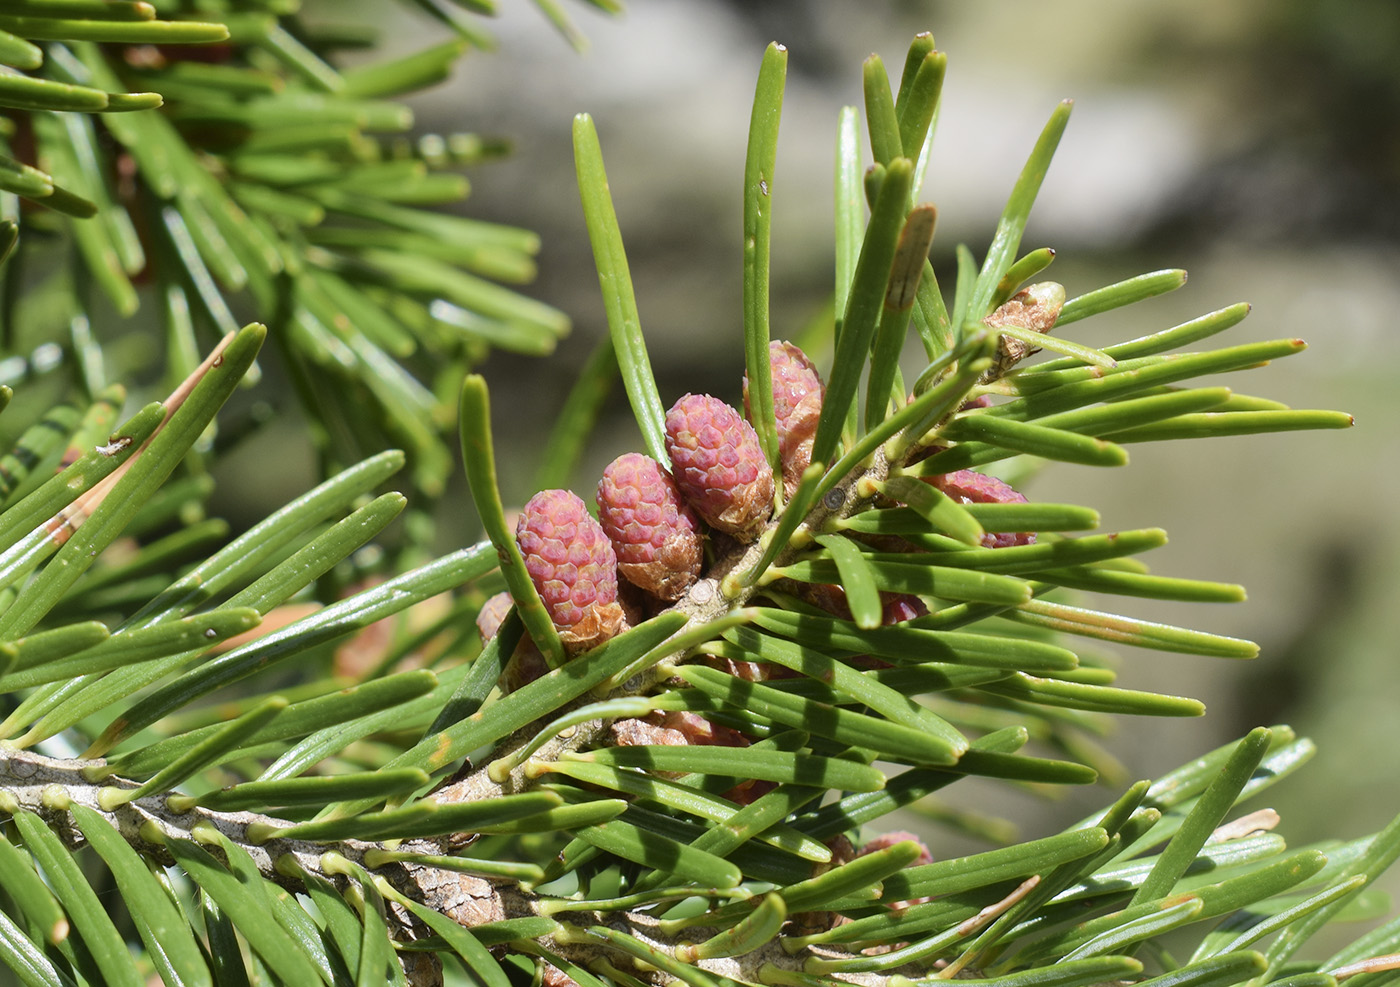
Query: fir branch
(887, 508)
(49, 787)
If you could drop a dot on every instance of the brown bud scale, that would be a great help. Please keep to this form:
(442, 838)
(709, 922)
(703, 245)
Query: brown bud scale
(1035, 308)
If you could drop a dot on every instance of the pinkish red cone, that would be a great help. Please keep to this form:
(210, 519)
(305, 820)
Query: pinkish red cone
(573, 566)
(797, 407)
(972, 487)
(896, 608)
(718, 465)
(885, 840)
(655, 534)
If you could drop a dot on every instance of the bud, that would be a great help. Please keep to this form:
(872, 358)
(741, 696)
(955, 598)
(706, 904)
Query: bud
(797, 407)
(552, 976)
(751, 671)
(885, 840)
(812, 923)
(655, 534)
(573, 567)
(896, 608)
(525, 665)
(492, 615)
(1035, 308)
(972, 487)
(718, 465)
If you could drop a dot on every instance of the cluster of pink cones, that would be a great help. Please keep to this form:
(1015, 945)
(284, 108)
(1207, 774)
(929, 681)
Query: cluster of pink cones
(651, 522)
(647, 546)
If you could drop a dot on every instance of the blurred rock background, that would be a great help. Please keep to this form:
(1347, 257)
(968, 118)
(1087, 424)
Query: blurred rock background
(1253, 143)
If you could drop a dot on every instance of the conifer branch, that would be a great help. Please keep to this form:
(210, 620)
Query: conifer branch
(50, 787)
(807, 651)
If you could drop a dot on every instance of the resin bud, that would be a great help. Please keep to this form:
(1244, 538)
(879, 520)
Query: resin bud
(1035, 308)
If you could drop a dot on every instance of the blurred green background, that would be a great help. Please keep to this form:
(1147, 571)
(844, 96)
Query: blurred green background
(1252, 143)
